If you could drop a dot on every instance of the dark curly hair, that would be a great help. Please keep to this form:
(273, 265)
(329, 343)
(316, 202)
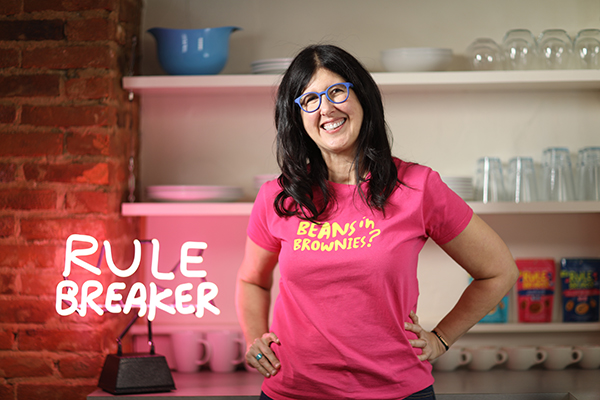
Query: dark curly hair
(304, 177)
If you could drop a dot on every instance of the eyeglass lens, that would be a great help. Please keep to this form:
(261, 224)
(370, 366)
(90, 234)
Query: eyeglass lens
(338, 93)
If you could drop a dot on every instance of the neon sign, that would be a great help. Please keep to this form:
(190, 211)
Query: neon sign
(147, 299)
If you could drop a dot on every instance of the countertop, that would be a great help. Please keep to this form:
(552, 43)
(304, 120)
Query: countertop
(459, 384)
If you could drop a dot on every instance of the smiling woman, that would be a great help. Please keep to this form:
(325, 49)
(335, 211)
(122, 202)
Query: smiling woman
(345, 222)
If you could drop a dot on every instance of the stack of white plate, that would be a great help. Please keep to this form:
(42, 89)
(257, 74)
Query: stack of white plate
(194, 193)
(461, 185)
(271, 66)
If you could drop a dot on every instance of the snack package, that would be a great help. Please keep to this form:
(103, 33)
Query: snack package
(535, 289)
(580, 289)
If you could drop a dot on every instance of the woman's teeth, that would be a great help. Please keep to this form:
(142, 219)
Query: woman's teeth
(333, 125)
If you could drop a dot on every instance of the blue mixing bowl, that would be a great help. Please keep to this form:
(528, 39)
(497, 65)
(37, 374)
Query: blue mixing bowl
(193, 51)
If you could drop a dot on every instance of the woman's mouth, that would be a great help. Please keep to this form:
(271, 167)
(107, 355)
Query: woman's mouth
(330, 126)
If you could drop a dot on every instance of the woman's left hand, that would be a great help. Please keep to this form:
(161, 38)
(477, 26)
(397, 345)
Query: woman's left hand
(430, 345)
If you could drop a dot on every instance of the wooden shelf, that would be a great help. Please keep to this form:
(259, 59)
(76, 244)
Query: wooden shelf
(389, 82)
(233, 209)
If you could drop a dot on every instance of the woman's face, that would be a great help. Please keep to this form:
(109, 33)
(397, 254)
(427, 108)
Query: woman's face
(333, 127)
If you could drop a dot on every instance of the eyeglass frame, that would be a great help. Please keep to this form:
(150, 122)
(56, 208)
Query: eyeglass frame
(348, 85)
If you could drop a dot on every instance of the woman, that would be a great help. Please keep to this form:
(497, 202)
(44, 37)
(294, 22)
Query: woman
(346, 221)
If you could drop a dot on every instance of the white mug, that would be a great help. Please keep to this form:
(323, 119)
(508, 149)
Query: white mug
(524, 357)
(561, 356)
(227, 350)
(452, 359)
(485, 358)
(590, 358)
(190, 349)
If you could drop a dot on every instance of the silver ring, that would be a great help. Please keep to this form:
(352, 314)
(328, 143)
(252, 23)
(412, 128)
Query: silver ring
(259, 356)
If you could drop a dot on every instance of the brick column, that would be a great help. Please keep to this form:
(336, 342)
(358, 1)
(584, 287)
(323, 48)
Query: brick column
(67, 131)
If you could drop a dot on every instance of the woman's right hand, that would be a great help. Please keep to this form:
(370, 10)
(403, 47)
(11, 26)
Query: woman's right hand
(267, 363)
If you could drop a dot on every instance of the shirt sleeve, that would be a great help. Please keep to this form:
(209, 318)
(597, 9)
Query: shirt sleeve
(262, 217)
(445, 213)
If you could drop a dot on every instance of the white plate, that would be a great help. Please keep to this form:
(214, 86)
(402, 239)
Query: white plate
(194, 193)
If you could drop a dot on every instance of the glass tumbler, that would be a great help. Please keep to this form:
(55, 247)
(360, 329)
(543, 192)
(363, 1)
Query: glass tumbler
(521, 180)
(555, 49)
(520, 49)
(484, 54)
(557, 179)
(588, 174)
(489, 181)
(587, 48)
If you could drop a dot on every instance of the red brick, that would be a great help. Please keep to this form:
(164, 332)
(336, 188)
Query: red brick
(7, 114)
(31, 144)
(80, 366)
(89, 88)
(10, 7)
(7, 391)
(37, 284)
(29, 86)
(92, 202)
(68, 116)
(8, 284)
(8, 172)
(68, 5)
(18, 366)
(32, 30)
(23, 199)
(62, 390)
(7, 340)
(90, 29)
(26, 311)
(99, 56)
(61, 228)
(9, 57)
(60, 339)
(88, 144)
(85, 173)
(31, 256)
(7, 226)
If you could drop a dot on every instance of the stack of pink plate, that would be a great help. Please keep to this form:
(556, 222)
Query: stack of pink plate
(194, 193)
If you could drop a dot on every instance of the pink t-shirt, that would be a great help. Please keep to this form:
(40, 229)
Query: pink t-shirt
(347, 287)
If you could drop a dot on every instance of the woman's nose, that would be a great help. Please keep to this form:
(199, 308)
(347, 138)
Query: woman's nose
(326, 105)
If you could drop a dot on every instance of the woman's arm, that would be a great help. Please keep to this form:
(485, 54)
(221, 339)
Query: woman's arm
(253, 299)
(483, 254)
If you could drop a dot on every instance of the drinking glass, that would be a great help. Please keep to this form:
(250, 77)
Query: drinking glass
(557, 179)
(485, 55)
(520, 49)
(587, 48)
(588, 174)
(489, 181)
(555, 49)
(521, 180)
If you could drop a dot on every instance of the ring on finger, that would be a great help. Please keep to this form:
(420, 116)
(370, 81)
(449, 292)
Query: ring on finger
(259, 356)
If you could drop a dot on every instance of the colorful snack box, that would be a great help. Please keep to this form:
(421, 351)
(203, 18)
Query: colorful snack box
(535, 289)
(580, 289)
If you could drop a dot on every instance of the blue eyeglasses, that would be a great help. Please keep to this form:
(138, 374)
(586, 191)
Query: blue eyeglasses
(337, 93)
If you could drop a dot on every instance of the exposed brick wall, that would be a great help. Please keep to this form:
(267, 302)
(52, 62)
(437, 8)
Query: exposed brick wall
(67, 130)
